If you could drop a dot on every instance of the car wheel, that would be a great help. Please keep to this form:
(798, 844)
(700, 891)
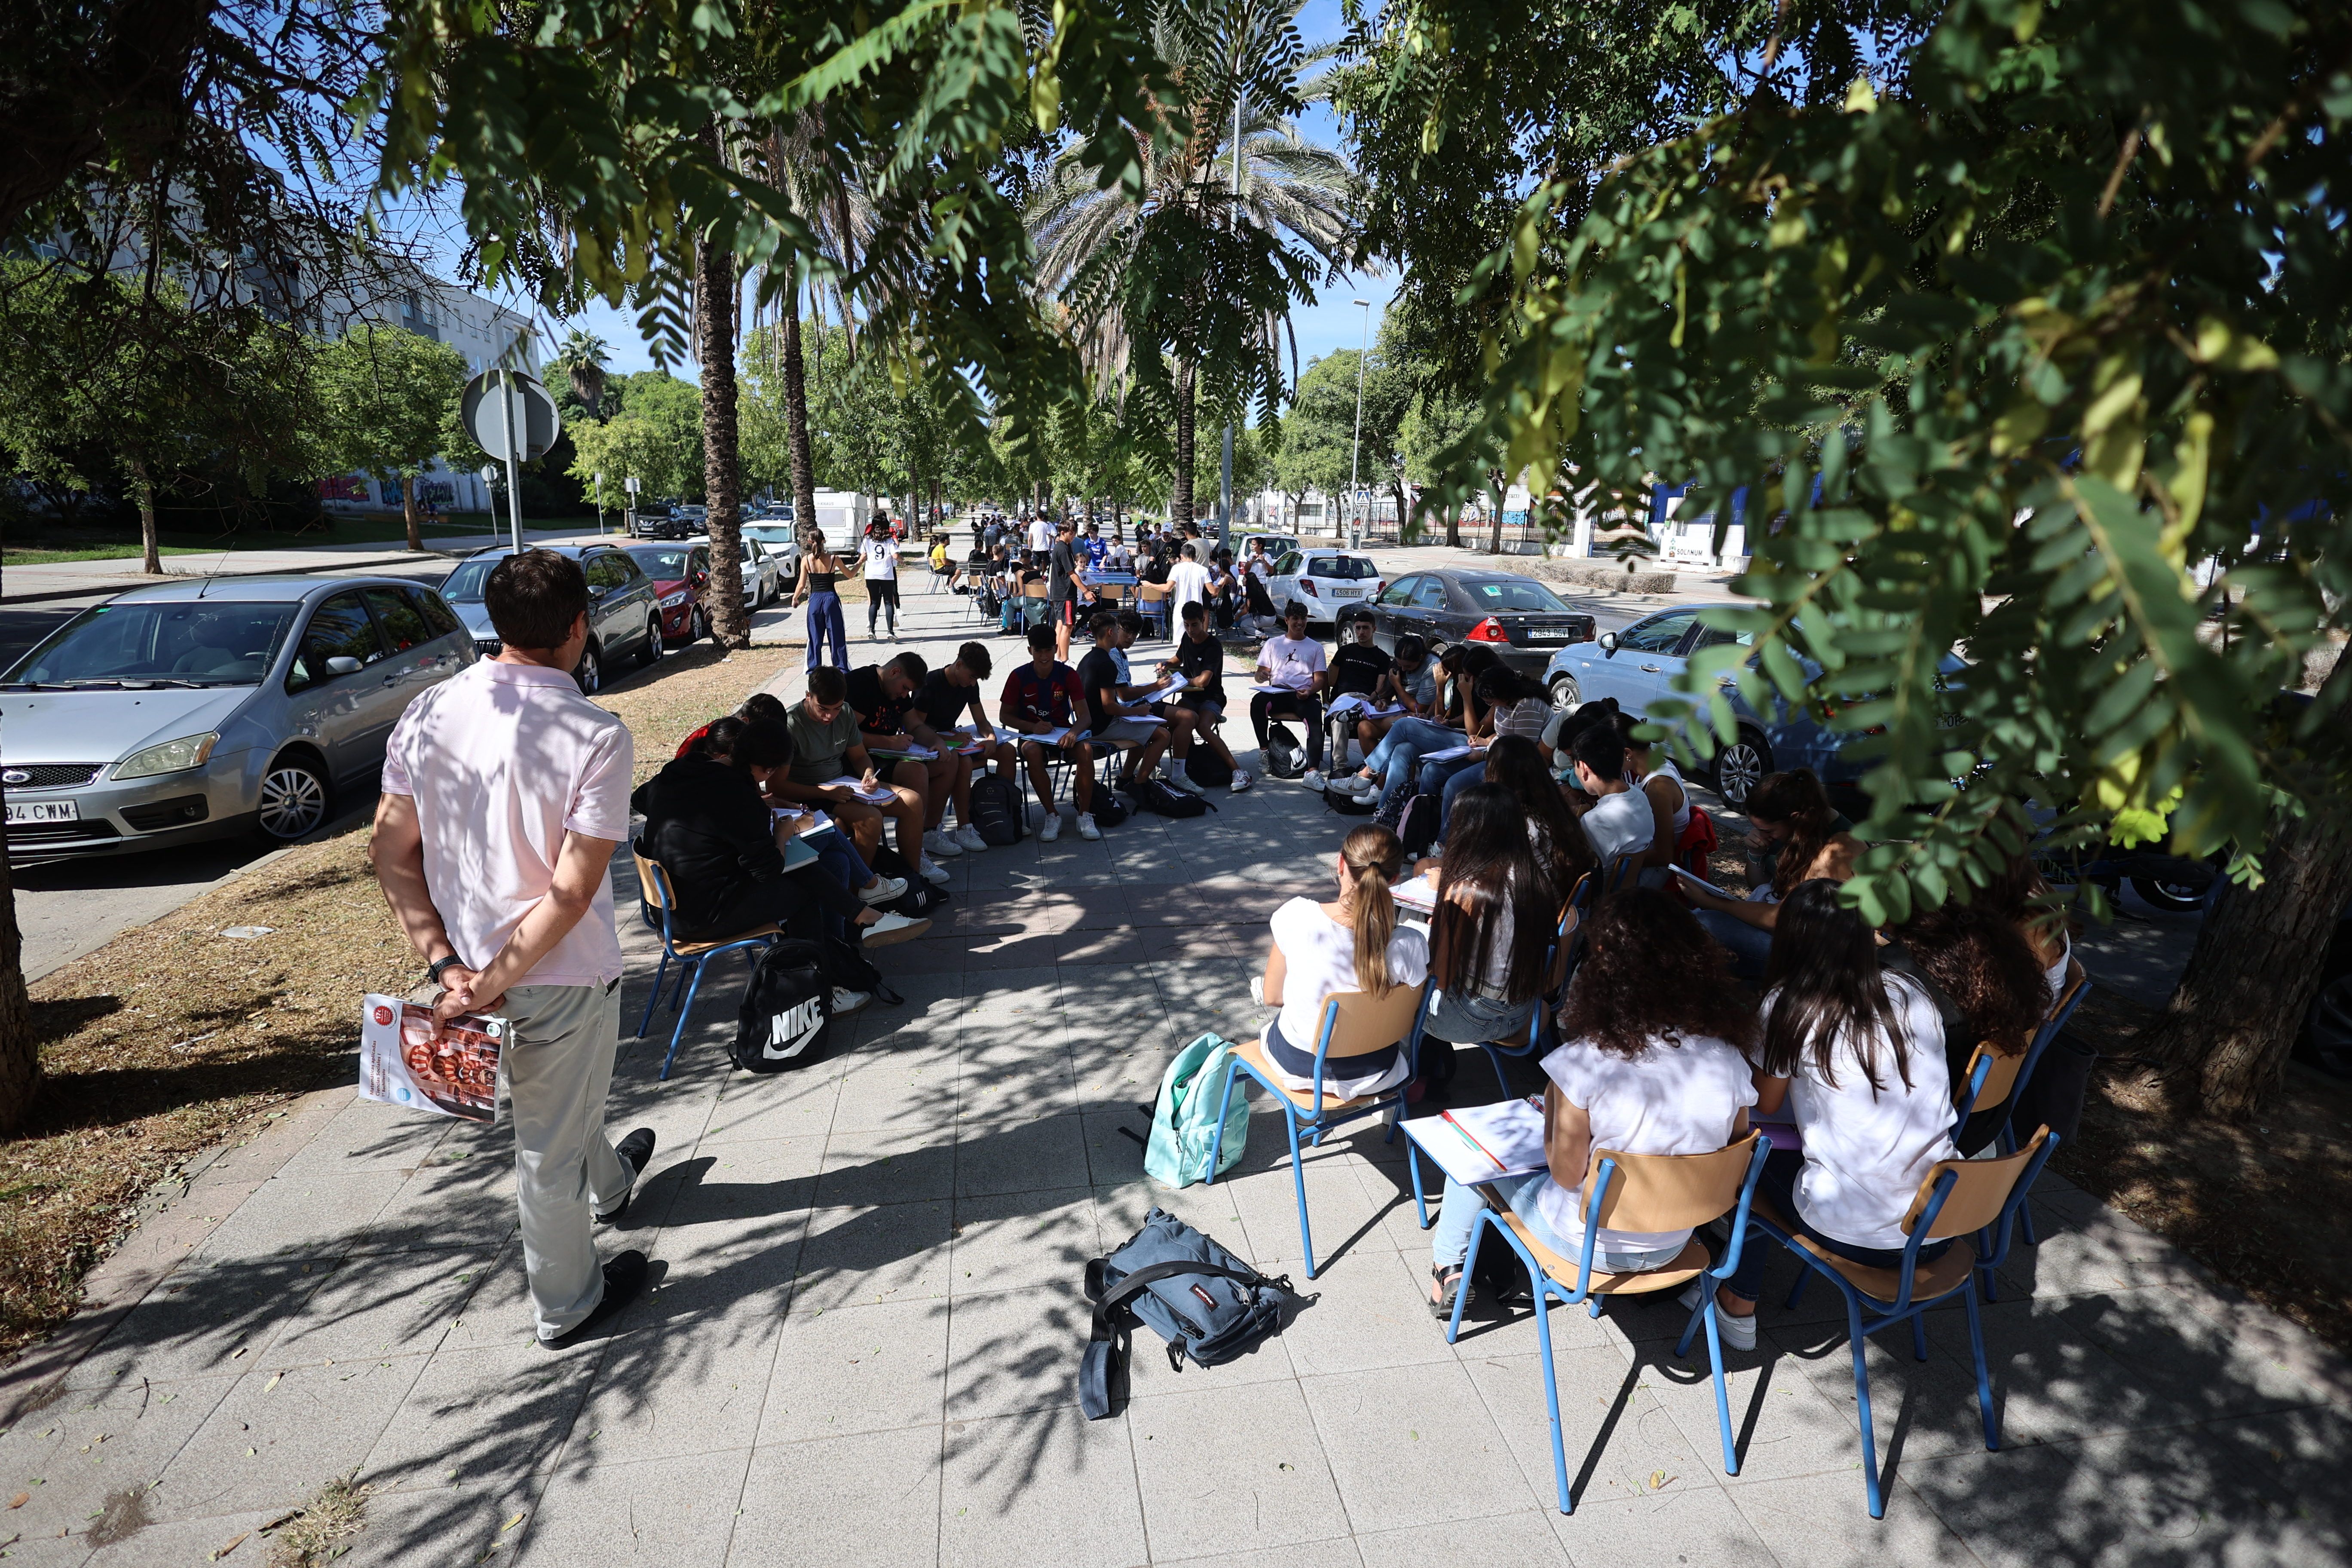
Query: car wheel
(590, 673)
(1740, 765)
(1564, 692)
(2179, 897)
(293, 799)
(697, 625)
(652, 655)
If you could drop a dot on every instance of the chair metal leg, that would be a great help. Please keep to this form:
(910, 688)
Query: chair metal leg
(1469, 1264)
(652, 998)
(1918, 1336)
(1984, 1374)
(1298, 1182)
(1217, 1139)
(686, 968)
(678, 1030)
(1715, 1363)
(2026, 1231)
(1419, 1202)
(1861, 1402)
(1551, 1394)
(1495, 1059)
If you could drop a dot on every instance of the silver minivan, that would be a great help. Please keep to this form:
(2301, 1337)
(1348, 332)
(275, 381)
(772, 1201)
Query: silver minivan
(203, 708)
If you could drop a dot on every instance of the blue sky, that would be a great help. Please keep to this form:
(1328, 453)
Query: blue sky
(1333, 322)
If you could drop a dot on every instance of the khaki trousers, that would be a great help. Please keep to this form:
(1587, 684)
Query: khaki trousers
(559, 1069)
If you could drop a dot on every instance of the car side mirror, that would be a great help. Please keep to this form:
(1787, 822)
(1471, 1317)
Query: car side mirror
(595, 592)
(342, 664)
(1608, 641)
(701, 577)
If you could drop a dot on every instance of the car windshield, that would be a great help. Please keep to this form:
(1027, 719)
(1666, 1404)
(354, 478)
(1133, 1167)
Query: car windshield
(1507, 594)
(662, 562)
(768, 532)
(465, 585)
(191, 642)
(1346, 568)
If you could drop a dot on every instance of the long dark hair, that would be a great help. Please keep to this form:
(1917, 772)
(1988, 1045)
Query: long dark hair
(1826, 989)
(1650, 971)
(1983, 963)
(1562, 851)
(1489, 862)
(1797, 798)
(1465, 663)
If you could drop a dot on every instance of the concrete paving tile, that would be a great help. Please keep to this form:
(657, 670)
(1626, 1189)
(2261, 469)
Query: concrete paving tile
(1021, 1157)
(2052, 1380)
(68, 1458)
(124, 1538)
(1204, 1493)
(911, 1087)
(366, 1135)
(1520, 1537)
(1617, 1438)
(2227, 1349)
(1010, 1086)
(300, 1217)
(1425, 1423)
(1337, 1553)
(463, 1523)
(864, 1369)
(1121, 1208)
(1366, 1315)
(692, 1384)
(276, 1437)
(1014, 1241)
(456, 1200)
(897, 1166)
(678, 1512)
(2294, 1460)
(485, 1414)
(1040, 1490)
(1700, 1529)
(1347, 1221)
(860, 1255)
(881, 1502)
(1114, 1078)
(2087, 1246)
(197, 1321)
(1920, 1409)
(776, 1104)
(1781, 1423)
(751, 1178)
(52, 1550)
(1820, 1520)
(1016, 1351)
(499, 1310)
(1116, 1140)
(371, 1305)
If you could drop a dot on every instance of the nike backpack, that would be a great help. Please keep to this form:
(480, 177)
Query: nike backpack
(786, 1019)
(996, 810)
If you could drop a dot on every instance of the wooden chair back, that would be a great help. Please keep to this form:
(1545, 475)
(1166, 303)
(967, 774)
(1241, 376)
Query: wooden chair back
(1979, 1194)
(653, 882)
(1361, 1023)
(2072, 991)
(1151, 592)
(1111, 593)
(2000, 1078)
(1033, 589)
(1651, 1191)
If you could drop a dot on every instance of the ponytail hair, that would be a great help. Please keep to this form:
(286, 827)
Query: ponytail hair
(1797, 798)
(1374, 858)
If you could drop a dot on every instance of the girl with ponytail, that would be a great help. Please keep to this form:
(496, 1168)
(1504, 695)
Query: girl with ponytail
(1352, 943)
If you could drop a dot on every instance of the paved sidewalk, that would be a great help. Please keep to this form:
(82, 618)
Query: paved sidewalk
(66, 579)
(869, 1318)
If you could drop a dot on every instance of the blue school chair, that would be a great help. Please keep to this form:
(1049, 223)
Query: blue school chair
(1560, 964)
(1959, 1201)
(1354, 1025)
(1638, 1193)
(654, 882)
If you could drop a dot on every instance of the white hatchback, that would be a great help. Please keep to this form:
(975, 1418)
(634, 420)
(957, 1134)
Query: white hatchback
(1326, 581)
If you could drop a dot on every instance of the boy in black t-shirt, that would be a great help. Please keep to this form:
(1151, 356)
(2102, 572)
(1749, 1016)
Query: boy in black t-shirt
(1360, 669)
(946, 694)
(883, 697)
(1113, 716)
(1201, 662)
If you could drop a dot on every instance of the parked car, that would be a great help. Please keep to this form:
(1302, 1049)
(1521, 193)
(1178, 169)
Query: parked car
(1639, 665)
(623, 617)
(762, 572)
(678, 572)
(1521, 619)
(780, 538)
(1278, 545)
(206, 708)
(1324, 581)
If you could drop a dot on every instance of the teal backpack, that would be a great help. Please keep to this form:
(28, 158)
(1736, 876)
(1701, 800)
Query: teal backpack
(1184, 1122)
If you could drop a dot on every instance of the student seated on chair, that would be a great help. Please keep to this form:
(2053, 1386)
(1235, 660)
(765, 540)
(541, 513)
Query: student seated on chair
(949, 693)
(1293, 661)
(1617, 821)
(1553, 831)
(1515, 704)
(1855, 1055)
(710, 829)
(1044, 695)
(1116, 717)
(1199, 662)
(1654, 1028)
(883, 698)
(1359, 668)
(1789, 817)
(1352, 943)
(1494, 923)
(1987, 987)
(827, 744)
(1651, 772)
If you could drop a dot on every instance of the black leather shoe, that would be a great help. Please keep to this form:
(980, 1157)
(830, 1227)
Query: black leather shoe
(637, 1151)
(624, 1276)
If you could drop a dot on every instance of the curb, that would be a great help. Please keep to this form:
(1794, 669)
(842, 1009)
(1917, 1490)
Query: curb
(143, 581)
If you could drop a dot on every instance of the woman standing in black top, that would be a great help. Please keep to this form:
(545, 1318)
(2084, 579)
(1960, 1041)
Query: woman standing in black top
(819, 573)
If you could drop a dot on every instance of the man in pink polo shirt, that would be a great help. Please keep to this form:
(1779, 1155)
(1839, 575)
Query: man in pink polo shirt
(505, 795)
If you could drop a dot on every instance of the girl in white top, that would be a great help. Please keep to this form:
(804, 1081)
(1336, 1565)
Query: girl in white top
(1857, 1055)
(1652, 1064)
(1352, 943)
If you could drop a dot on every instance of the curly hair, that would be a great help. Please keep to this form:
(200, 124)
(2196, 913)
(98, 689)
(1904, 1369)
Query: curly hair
(1985, 965)
(1650, 970)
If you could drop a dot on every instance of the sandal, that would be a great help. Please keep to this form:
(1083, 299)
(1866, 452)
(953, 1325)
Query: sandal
(1449, 1282)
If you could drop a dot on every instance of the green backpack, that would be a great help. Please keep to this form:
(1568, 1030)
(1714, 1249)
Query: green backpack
(1184, 1122)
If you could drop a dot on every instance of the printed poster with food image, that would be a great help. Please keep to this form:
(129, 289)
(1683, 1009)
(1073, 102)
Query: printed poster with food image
(408, 1057)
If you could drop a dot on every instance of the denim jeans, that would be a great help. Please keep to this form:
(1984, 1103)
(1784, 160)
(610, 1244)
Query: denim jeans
(1457, 1221)
(1750, 946)
(1473, 1020)
(1777, 1182)
(1393, 760)
(1463, 776)
(824, 621)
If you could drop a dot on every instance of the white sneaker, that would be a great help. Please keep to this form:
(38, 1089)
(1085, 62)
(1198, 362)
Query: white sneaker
(941, 845)
(1737, 1334)
(933, 872)
(1241, 782)
(1313, 779)
(847, 1001)
(969, 837)
(1051, 829)
(1179, 779)
(1361, 787)
(893, 928)
(1087, 829)
(885, 890)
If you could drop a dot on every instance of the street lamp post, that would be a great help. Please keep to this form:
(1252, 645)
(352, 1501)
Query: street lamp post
(1356, 456)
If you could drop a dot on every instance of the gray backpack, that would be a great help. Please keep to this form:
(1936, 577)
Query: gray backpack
(1210, 1306)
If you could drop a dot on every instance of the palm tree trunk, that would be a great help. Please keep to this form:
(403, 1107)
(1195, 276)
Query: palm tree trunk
(408, 511)
(722, 478)
(1179, 499)
(142, 488)
(797, 418)
(20, 1056)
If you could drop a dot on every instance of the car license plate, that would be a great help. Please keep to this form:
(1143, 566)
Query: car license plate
(43, 811)
(1347, 592)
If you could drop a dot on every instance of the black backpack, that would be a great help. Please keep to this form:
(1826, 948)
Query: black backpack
(1210, 1306)
(1164, 799)
(996, 810)
(1347, 805)
(1207, 769)
(1107, 812)
(1284, 758)
(786, 1019)
(1417, 827)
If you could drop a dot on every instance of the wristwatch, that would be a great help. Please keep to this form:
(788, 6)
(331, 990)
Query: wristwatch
(438, 965)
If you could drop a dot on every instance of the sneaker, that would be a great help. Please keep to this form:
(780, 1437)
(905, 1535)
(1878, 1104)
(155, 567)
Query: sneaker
(885, 890)
(932, 871)
(637, 1151)
(1359, 788)
(1087, 829)
(1179, 779)
(1313, 779)
(1241, 781)
(844, 1000)
(1051, 829)
(1737, 1334)
(624, 1276)
(893, 928)
(969, 837)
(941, 845)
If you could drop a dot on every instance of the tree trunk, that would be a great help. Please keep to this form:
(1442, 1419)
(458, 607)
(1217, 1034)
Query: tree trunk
(2224, 1037)
(1396, 489)
(796, 419)
(1179, 495)
(722, 478)
(1495, 539)
(1453, 527)
(143, 488)
(408, 511)
(20, 1056)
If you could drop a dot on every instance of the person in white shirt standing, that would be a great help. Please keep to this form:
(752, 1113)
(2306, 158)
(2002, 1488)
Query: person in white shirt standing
(1295, 662)
(1041, 539)
(1188, 582)
(505, 795)
(881, 555)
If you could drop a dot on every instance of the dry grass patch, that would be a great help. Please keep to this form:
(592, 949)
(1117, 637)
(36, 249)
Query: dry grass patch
(172, 1038)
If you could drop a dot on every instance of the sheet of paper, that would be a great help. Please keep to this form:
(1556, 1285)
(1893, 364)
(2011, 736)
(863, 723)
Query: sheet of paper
(1357, 703)
(1454, 1144)
(1417, 893)
(1453, 754)
(876, 796)
(1049, 737)
(1271, 689)
(1167, 693)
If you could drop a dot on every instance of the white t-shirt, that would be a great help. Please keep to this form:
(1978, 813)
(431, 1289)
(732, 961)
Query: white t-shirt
(2056, 973)
(1680, 1097)
(1620, 825)
(1041, 535)
(1188, 584)
(1867, 1148)
(1666, 770)
(881, 560)
(1291, 661)
(1319, 957)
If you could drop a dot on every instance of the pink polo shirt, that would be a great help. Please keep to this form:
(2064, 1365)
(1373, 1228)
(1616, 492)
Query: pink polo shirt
(502, 760)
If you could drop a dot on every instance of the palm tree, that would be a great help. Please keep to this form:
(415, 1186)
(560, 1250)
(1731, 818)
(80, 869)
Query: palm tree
(1205, 268)
(583, 356)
